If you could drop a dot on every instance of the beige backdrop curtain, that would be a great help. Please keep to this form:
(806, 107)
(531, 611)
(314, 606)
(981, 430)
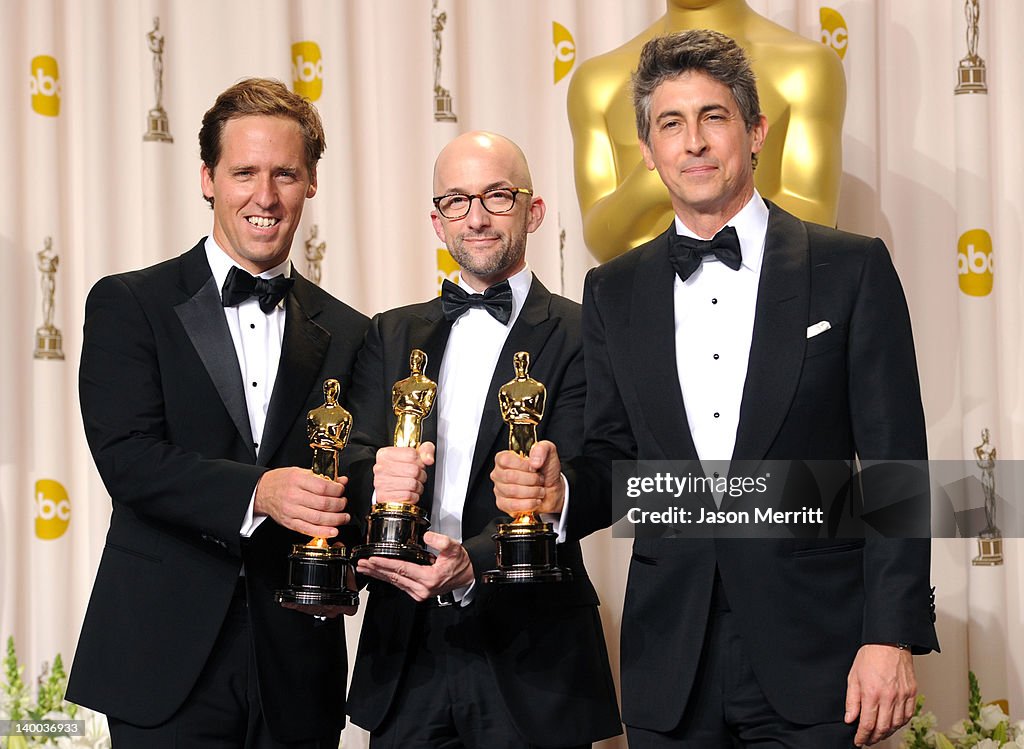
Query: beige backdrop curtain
(85, 195)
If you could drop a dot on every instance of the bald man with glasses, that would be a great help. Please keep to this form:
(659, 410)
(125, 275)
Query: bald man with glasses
(445, 660)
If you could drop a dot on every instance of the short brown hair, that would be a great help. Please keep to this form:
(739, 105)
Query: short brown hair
(261, 96)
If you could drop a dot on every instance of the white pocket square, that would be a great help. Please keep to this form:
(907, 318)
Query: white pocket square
(818, 328)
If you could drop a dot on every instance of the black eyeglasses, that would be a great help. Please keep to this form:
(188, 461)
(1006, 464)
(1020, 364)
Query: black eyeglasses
(500, 200)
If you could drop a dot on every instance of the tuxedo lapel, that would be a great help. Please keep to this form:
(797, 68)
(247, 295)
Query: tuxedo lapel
(303, 349)
(653, 352)
(202, 316)
(779, 337)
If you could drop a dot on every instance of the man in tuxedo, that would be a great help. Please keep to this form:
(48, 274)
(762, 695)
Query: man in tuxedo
(445, 660)
(196, 380)
(776, 339)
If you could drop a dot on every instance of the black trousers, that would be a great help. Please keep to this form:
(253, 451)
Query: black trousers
(448, 697)
(728, 710)
(223, 711)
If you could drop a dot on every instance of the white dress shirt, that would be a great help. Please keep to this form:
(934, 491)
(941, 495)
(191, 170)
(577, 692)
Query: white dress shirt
(470, 357)
(257, 337)
(714, 323)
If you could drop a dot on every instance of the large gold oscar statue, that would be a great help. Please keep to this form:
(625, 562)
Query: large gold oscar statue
(802, 89)
(526, 547)
(319, 572)
(395, 529)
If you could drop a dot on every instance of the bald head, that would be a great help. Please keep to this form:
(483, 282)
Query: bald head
(489, 247)
(468, 150)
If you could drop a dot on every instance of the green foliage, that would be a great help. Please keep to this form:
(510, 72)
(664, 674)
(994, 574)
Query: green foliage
(985, 725)
(17, 703)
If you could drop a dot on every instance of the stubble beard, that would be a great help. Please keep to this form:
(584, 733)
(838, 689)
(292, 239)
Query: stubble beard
(509, 252)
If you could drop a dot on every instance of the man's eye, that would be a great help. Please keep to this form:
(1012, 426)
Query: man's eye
(499, 195)
(454, 201)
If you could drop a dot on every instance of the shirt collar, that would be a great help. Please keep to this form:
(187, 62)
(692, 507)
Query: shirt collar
(751, 224)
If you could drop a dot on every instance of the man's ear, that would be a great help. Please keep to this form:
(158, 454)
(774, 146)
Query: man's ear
(538, 209)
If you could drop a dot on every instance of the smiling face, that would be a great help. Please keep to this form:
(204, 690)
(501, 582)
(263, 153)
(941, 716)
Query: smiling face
(258, 188)
(701, 149)
(489, 248)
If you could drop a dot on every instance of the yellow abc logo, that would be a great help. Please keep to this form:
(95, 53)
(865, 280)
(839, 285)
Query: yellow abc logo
(53, 509)
(565, 50)
(834, 33)
(974, 262)
(447, 268)
(307, 70)
(44, 85)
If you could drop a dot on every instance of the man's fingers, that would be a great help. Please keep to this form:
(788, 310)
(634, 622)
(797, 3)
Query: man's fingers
(426, 453)
(542, 454)
(509, 459)
(852, 701)
(866, 727)
(444, 544)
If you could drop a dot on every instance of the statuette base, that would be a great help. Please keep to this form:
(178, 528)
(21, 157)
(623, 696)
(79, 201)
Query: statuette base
(526, 553)
(317, 577)
(395, 530)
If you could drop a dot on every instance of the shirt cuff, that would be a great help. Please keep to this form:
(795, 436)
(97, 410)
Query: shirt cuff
(251, 521)
(558, 520)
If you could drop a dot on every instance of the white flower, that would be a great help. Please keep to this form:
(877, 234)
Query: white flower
(959, 730)
(991, 716)
(987, 744)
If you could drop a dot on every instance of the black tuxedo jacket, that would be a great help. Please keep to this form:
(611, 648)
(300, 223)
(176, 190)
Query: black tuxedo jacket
(546, 645)
(165, 416)
(804, 605)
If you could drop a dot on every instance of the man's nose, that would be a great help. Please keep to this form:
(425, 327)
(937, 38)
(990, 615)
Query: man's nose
(265, 194)
(478, 215)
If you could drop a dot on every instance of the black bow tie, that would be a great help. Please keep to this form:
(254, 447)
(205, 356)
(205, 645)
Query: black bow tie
(239, 286)
(686, 253)
(497, 300)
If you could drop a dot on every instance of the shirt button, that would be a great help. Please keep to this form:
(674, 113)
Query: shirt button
(716, 357)
(716, 412)
(254, 384)
(714, 301)
(716, 474)
(252, 325)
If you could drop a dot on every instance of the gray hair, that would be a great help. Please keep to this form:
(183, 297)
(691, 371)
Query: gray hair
(710, 52)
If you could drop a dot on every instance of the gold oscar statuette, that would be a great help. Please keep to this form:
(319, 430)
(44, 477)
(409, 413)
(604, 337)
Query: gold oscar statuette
(526, 550)
(990, 539)
(158, 128)
(318, 572)
(971, 70)
(395, 529)
(49, 341)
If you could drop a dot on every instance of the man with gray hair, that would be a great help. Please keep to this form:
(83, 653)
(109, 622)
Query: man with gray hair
(743, 333)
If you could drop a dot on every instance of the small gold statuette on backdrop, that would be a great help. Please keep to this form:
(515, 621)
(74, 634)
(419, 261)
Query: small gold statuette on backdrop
(49, 341)
(315, 251)
(319, 572)
(990, 540)
(526, 548)
(971, 70)
(395, 529)
(442, 96)
(159, 128)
